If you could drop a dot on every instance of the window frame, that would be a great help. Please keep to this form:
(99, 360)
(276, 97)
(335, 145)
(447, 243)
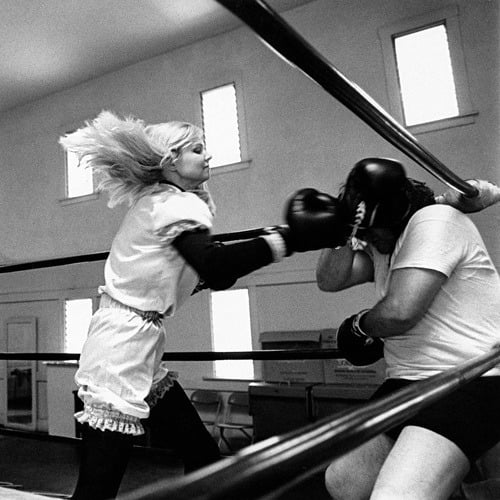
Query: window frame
(64, 199)
(68, 200)
(245, 162)
(228, 84)
(252, 319)
(79, 295)
(450, 17)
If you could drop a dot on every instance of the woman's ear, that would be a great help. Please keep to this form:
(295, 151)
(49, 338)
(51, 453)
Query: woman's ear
(170, 159)
(174, 154)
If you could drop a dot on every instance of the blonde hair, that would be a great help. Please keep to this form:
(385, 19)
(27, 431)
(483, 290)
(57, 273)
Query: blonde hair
(127, 154)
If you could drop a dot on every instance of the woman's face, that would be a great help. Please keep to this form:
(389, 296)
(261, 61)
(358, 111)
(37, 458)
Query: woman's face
(192, 165)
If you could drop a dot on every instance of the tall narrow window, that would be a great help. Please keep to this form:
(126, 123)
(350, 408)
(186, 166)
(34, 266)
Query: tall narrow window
(77, 316)
(231, 331)
(220, 124)
(79, 180)
(425, 75)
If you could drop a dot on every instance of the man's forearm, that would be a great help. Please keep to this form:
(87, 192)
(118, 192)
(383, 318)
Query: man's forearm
(383, 320)
(410, 294)
(334, 268)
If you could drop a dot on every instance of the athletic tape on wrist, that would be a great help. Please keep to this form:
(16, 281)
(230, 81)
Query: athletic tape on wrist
(276, 244)
(356, 326)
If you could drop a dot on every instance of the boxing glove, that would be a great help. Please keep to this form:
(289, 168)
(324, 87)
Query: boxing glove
(355, 345)
(315, 221)
(375, 193)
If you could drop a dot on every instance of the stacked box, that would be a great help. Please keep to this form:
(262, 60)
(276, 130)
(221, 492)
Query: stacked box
(292, 371)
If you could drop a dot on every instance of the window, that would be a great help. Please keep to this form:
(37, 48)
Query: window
(425, 71)
(79, 180)
(77, 315)
(220, 124)
(231, 331)
(426, 75)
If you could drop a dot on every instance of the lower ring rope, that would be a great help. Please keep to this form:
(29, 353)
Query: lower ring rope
(270, 464)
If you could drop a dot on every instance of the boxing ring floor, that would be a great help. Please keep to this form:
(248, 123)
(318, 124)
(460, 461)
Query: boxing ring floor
(49, 467)
(12, 494)
(41, 469)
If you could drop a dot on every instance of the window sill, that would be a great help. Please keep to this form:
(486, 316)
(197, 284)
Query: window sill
(66, 363)
(222, 379)
(456, 121)
(230, 167)
(79, 199)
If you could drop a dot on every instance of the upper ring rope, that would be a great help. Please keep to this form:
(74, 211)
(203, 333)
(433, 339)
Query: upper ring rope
(279, 35)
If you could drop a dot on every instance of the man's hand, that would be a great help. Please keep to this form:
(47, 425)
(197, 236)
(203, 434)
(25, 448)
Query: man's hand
(488, 195)
(356, 346)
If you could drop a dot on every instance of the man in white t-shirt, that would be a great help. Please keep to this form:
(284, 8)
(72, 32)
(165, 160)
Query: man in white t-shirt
(438, 306)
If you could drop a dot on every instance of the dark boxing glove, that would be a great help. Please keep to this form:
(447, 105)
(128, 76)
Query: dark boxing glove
(355, 345)
(315, 221)
(375, 194)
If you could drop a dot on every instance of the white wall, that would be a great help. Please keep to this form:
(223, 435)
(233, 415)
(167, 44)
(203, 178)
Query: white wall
(297, 136)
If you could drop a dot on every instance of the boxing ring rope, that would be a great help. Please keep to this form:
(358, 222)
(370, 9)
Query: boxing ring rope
(270, 467)
(273, 465)
(294, 49)
(99, 256)
(267, 354)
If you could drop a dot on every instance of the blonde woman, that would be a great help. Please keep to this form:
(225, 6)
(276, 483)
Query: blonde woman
(161, 252)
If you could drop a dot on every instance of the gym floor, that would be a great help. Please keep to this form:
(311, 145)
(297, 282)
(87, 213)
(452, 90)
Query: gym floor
(50, 467)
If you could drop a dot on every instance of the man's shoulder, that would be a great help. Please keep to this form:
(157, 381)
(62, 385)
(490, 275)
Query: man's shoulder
(438, 212)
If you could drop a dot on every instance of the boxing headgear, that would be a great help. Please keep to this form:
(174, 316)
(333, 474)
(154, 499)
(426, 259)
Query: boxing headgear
(376, 194)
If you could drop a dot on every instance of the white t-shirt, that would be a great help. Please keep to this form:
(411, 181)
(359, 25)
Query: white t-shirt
(463, 321)
(143, 269)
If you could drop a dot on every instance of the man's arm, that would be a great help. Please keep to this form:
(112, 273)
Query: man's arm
(342, 268)
(410, 294)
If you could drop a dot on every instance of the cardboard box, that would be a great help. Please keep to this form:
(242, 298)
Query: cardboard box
(341, 372)
(292, 371)
(277, 409)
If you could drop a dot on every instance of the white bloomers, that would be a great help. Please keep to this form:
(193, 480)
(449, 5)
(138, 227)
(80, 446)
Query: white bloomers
(121, 373)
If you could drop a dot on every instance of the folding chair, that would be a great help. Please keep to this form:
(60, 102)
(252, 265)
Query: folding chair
(208, 404)
(236, 428)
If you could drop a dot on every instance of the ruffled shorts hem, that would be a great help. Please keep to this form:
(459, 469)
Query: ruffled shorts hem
(159, 389)
(106, 418)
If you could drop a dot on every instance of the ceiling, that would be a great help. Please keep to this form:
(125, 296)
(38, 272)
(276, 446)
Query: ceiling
(49, 45)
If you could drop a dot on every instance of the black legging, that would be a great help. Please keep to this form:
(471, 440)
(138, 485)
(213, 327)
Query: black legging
(173, 423)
